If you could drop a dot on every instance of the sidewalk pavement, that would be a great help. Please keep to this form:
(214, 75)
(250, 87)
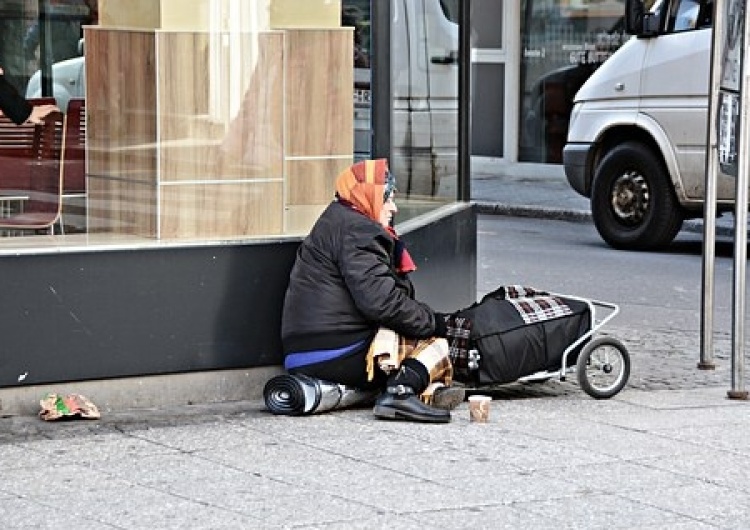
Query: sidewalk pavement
(550, 457)
(660, 459)
(543, 191)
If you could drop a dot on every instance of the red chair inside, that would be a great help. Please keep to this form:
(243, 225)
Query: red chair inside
(74, 167)
(30, 169)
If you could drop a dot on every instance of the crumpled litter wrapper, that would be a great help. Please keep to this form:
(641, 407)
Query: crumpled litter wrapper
(55, 407)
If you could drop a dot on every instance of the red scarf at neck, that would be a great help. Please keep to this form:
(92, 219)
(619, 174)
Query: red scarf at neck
(404, 263)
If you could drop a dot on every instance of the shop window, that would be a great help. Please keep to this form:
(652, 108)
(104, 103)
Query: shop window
(424, 99)
(562, 43)
(225, 132)
(424, 81)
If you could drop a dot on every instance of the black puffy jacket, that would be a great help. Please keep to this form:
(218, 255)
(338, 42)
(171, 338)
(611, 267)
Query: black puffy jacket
(344, 286)
(13, 104)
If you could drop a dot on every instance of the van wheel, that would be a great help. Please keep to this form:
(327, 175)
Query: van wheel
(632, 202)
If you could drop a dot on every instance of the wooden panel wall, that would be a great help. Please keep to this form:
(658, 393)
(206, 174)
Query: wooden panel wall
(319, 95)
(317, 152)
(121, 113)
(220, 177)
(252, 142)
(165, 148)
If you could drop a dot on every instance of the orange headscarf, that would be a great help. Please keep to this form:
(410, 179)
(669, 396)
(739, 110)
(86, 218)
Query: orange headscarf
(363, 186)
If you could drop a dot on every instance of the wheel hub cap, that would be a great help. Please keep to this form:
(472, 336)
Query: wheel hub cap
(630, 197)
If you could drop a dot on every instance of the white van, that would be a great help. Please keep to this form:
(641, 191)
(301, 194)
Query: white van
(636, 144)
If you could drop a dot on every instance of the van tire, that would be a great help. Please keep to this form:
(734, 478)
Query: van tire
(632, 200)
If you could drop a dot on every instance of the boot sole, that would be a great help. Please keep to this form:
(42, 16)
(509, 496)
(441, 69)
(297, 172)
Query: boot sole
(388, 413)
(448, 398)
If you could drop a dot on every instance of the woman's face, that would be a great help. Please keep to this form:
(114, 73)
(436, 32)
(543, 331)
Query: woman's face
(388, 211)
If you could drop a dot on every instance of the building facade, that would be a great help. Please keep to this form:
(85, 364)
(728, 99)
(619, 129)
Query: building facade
(207, 140)
(206, 143)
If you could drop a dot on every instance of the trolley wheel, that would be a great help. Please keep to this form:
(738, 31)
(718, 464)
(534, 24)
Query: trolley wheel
(603, 367)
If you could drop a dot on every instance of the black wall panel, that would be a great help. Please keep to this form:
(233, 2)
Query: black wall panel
(96, 315)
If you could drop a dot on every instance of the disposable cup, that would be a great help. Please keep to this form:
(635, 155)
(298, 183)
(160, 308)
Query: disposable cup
(479, 408)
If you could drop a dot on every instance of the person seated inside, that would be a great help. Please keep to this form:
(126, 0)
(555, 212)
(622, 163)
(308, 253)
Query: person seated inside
(350, 314)
(15, 106)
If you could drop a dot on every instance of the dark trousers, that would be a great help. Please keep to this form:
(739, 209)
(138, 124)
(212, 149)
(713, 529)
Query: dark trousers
(350, 370)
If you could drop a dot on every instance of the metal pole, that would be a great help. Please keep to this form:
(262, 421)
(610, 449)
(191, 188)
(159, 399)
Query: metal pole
(45, 48)
(464, 102)
(706, 361)
(380, 85)
(740, 230)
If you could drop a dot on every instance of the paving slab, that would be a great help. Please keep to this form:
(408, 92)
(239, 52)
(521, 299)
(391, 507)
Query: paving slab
(669, 452)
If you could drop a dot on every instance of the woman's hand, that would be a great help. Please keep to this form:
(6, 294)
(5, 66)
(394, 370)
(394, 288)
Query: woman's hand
(39, 112)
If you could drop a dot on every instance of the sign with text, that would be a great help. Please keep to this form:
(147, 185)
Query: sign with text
(730, 84)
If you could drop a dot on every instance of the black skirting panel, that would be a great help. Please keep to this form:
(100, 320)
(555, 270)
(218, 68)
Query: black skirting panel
(96, 315)
(445, 252)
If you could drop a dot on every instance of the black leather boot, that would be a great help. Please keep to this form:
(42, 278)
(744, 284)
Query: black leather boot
(400, 400)
(401, 403)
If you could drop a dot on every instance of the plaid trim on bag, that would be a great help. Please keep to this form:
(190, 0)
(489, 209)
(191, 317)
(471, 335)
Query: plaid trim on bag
(458, 331)
(535, 306)
(520, 291)
(541, 308)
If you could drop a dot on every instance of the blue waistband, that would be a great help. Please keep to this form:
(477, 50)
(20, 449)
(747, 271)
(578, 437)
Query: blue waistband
(295, 360)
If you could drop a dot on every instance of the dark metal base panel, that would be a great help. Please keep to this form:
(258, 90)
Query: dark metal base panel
(98, 315)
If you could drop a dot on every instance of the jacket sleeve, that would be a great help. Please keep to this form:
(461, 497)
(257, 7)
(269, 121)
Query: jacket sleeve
(13, 104)
(376, 290)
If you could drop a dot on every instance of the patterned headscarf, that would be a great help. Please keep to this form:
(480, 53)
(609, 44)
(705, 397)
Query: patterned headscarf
(363, 185)
(366, 186)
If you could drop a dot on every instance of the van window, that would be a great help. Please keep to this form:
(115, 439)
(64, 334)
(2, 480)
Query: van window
(450, 8)
(686, 15)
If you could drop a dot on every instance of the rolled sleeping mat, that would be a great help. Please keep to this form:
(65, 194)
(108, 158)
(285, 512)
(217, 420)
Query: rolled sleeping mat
(300, 395)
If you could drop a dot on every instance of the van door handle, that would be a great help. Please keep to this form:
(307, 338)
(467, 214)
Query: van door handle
(450, 58)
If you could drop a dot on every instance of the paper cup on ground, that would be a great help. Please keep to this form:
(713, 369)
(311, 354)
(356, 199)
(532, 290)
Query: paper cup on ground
(479, 408)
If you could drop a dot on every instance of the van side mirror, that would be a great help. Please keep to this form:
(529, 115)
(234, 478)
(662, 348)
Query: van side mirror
(639, 21)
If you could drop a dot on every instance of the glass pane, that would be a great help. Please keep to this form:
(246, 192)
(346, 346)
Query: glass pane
(14, 21)
(424, 77)
(215, 127)
(562, 43)
(38, 35)
(357, 14)
(210, 125)
(235, 134)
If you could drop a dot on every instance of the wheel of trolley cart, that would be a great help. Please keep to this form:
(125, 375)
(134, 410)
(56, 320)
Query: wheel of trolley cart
(603, 367)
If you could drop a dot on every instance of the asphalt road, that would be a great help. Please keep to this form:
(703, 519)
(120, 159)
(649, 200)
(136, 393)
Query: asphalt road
(654, 289)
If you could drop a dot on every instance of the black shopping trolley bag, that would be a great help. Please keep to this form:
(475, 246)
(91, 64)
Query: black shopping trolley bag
(520, 331)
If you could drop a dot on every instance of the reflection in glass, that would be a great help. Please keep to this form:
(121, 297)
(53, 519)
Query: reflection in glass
(231, 129)
(563, 42)
(424, 77)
